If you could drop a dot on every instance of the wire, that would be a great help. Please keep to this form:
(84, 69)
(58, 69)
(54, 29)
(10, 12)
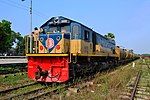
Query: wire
(13, 5)
(23, 7)
(34, 10)
(18, 3)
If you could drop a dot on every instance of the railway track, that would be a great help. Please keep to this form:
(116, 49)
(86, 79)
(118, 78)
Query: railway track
(138, 88)
(11, 93)
(31, 94)
(47, 92)
(2, 92)
(25, 95)
(35, 93)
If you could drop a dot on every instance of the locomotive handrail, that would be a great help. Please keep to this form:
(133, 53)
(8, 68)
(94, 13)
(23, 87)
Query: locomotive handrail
(70, 48)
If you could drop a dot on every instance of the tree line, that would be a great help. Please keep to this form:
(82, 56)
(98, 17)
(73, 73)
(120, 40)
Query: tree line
(11, 42)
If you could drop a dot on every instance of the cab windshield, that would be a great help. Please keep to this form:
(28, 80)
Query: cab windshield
(57, 28)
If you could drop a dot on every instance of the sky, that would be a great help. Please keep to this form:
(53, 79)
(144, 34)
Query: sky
(129, 20)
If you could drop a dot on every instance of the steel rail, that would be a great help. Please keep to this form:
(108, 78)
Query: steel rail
(34, 97)
(17, 87)
(135, 86)
(23, 94)
(47, 92)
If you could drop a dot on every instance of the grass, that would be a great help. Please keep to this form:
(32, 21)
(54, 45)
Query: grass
(28, 88)
(6, 69)
(23, 90)
(147, 61)
(13, 80)
(107, 86)
(146, 74)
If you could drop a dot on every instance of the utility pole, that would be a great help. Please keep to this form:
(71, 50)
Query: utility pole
(31, 14)
(30, 25)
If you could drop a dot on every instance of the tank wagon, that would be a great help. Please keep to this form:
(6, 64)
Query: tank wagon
(62, 49)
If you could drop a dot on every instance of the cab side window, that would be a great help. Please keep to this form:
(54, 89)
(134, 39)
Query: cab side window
(75, 32)
(86, 35)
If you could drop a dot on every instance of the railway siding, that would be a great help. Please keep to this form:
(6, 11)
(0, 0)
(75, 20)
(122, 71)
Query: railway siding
(142, 91)
(144, 84)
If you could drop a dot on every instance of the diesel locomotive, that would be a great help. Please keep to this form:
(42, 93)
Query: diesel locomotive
(63, 48)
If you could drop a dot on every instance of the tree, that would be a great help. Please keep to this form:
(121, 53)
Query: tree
(110, 35)
(8, 38)
(20, 45)
(5, 36)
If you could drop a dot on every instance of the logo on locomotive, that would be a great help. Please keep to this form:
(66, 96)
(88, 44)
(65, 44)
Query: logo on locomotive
(49, 43)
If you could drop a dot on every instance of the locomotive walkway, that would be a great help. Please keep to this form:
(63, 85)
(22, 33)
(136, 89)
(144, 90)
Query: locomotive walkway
(13, 59)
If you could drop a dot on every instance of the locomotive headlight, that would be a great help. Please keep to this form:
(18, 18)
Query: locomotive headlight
(50, 23)
(65, 21)
(56, 20)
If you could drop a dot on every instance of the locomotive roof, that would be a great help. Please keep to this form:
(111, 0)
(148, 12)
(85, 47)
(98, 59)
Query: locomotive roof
(61, 17)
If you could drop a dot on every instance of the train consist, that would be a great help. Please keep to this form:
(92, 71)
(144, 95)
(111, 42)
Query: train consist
(62, 49)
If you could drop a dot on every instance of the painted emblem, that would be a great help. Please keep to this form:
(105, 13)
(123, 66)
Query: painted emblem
(49, 43)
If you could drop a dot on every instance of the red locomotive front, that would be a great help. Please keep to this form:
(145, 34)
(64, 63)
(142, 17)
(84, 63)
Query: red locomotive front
(48, 69)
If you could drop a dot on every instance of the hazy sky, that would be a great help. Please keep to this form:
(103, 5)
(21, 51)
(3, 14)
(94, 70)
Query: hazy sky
(129, 20)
